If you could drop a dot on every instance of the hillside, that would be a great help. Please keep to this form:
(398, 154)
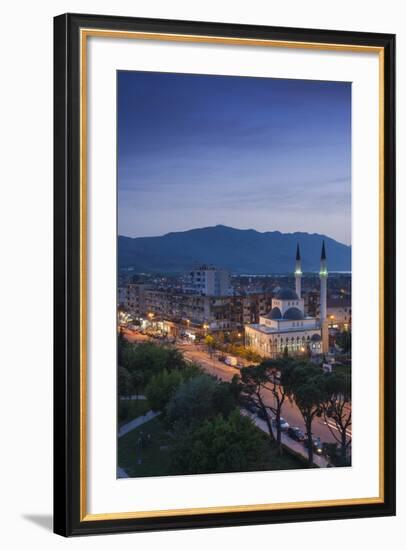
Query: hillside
(238, 250)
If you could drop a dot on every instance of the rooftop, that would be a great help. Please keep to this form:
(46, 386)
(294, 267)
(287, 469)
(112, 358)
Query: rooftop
(286, 294)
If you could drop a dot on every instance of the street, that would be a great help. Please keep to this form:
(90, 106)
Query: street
(199, 355)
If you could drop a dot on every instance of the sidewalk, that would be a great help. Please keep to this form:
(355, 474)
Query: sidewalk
(295, 446)
(139, 421)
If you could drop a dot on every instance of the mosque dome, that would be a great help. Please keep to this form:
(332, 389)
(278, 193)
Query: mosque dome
(275, 313)
(293, 314)
(286, 294)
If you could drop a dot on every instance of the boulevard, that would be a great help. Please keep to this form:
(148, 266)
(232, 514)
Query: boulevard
(197, 353)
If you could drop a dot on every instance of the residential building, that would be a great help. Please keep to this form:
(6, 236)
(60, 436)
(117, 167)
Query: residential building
(208, 280)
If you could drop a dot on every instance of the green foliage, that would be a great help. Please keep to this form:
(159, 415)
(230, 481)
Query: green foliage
(306, 386)
(258, 381)
(124, 385)
(123, 410)
(337, 408)
(343, 340)
(128, 409)
(137, 378)
(150, 359)
(235, 387)
(221, 445)
(338, 386)
(200, 398)
(122, 345)
(162, 387)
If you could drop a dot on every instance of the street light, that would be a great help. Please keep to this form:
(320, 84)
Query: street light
(150, 316)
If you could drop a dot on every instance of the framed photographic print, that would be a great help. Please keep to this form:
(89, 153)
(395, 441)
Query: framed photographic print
(224, 274)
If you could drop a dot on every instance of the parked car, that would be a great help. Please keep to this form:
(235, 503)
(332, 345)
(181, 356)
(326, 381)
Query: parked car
(318, 446)
(284, 426)
(296, 433)
(231, 361)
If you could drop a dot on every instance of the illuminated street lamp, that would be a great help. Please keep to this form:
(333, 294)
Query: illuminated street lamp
(150, 316)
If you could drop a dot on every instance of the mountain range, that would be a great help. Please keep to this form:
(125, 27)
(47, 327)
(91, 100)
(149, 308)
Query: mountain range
(240, 251)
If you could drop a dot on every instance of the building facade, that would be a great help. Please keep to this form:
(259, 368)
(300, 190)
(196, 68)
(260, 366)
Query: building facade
(230, 312)
(339, 313)
(131, 297)
(208, 280)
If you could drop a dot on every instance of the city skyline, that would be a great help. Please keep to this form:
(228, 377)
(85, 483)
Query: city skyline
(250, 153)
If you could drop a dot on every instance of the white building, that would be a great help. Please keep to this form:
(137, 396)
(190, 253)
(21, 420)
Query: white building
(208, 280)
(287, 328)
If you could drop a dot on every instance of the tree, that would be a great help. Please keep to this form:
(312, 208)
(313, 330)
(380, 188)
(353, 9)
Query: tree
(122, 344)
(151, 359)
(305, 387)
(263, 380)
(198, 399)
(137, 378)
(343, 340)
(230, 444)
(123, 382)
(210, 343)
(337, 408)
(161, 388)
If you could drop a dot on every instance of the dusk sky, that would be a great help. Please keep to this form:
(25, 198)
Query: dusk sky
(260, 153)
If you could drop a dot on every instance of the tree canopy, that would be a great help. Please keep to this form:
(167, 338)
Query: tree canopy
(220, 445)
(201, 397)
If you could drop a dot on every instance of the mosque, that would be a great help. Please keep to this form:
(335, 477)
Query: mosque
(286, 328)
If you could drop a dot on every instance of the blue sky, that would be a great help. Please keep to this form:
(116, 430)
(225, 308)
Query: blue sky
(260, 153)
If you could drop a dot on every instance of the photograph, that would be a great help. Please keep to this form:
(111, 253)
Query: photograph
(234, 317)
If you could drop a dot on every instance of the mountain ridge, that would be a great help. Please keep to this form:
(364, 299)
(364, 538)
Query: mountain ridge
(245, 251)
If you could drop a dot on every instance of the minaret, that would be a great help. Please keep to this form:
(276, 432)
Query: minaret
(323, 298)
(298, 272)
